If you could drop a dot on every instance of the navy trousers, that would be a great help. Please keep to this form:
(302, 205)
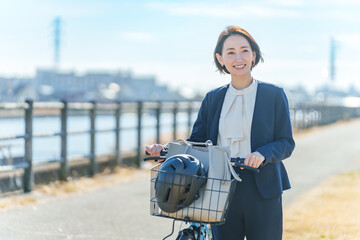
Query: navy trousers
(250, 215)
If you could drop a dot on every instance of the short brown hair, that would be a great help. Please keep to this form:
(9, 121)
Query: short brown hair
(232, 30)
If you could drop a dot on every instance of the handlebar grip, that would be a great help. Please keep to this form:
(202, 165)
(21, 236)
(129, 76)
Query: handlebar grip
(157, 158)
(239, 162)
(162, 153)
(247, 167)
(154, 158)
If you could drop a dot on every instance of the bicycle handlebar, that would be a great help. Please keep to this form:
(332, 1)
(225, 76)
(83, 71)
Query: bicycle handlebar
(239, 162)
(236, 162)
(153, 158)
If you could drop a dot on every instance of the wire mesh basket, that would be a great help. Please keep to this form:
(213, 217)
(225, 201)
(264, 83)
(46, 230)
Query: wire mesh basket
(210, 206)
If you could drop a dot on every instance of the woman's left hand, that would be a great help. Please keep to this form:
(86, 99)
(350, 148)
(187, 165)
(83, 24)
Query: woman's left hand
(254, 159)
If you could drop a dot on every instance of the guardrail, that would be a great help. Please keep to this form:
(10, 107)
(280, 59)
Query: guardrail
(302, 116)
(93, 109)
(309, 115)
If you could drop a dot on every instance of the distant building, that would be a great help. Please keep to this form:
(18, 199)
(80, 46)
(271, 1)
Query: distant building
(325, 94)
(297, 95)
(49, 85)
(13, 89)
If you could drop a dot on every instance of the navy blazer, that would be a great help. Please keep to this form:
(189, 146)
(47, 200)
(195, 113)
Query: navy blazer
(271, 133)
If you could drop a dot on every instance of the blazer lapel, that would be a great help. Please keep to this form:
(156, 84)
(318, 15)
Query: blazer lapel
(256, 115)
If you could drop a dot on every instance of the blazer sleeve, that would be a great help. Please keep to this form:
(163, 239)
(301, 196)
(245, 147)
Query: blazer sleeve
(199, 131)
(283, 144)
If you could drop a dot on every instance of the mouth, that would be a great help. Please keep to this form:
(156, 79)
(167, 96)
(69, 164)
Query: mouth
(239, 67)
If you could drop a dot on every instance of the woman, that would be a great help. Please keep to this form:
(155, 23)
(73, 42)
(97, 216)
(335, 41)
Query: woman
(250, 119)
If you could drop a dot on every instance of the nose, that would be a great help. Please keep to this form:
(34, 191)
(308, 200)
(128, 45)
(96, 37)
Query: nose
(239, 57)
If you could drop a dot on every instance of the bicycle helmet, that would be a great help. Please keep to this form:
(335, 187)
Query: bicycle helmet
(178, 182)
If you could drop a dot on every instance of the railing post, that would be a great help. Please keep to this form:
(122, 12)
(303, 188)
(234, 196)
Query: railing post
(175, 110)
(118, 159)
(158, 114)
(28, 173)
(64, 167)
(139, 127)
(92, 169)
(189, 118)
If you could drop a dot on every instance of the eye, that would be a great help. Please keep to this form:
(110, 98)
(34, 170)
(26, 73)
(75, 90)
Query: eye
(230, 53)
(246, 50)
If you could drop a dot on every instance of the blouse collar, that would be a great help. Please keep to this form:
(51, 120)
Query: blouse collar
(244, 91)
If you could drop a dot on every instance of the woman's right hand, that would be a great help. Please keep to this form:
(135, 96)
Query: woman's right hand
(154, 149)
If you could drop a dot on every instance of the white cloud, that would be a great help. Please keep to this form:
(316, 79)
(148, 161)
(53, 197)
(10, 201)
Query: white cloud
(340, 15)
(275, 9)
(138, 36)
(235, 11)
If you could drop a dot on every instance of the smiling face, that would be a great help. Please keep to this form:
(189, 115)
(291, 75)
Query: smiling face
(237, 56)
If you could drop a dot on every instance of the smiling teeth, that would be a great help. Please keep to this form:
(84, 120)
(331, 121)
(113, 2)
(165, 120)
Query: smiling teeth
(239, 66)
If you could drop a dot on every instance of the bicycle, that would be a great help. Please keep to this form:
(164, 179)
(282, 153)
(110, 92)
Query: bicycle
(197, 230)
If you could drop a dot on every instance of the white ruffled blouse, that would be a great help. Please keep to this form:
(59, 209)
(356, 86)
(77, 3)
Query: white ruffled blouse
(235, 120)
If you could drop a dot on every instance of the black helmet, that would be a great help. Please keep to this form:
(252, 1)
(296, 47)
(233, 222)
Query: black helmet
(178, 182)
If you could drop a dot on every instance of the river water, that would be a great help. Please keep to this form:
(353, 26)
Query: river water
(48, 148)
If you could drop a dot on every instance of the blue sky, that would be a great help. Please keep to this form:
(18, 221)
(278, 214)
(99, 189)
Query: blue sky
(174, 40)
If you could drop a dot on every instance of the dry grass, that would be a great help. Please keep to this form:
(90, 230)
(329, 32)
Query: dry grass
(11, 202)
(86, 184)
(330, 211)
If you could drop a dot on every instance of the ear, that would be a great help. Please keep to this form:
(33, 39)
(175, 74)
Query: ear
(220, 59)
(254, 56)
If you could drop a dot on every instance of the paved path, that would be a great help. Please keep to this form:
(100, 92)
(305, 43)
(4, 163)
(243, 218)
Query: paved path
(122, 211)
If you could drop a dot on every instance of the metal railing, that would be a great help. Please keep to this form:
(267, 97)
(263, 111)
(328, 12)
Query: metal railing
(302, 116)
(309, 115)
(93, 109)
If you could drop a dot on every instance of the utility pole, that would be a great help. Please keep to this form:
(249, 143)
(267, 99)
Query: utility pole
(332, 69)
(57, 37)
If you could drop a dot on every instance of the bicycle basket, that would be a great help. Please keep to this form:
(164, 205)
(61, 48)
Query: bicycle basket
(210, 207)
